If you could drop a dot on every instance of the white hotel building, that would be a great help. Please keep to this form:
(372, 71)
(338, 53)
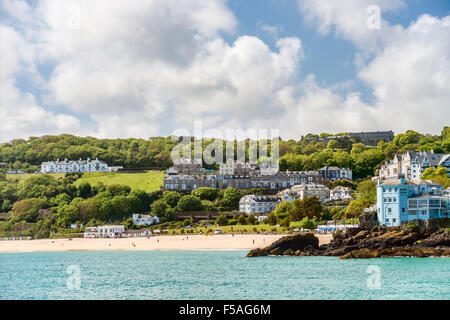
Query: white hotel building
(258, 203)
(76, 166)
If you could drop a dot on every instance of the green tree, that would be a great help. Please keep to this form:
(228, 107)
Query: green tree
(286, 222)
(251, 219)
(189, 203)
(118, 189)
(67, 214)
(171, 198)
(205, 193)
(27, 209)
(241, 220)
(186, 222)
(221, 220)
(307, 223)
(231, 199)
(354, 209)
(272, 219)
(367, 192)
(84, 190)
(308, 207)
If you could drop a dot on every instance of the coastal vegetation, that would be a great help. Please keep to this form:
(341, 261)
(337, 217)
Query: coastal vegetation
(309, 153)
(44, 205)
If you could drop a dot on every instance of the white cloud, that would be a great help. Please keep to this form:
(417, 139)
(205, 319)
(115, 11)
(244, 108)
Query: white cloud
(20, 114)
(408, 69)
(348, 19)
(150, 67)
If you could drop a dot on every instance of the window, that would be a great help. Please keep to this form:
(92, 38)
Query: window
(394, 220)
(403, 210)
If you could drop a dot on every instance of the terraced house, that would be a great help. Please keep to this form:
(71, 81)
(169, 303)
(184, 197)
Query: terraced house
(277, 181)
(413, 164)
(76, 166)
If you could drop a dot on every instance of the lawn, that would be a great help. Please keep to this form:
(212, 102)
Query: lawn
(21, 176)
(261, 228)
(149, 181)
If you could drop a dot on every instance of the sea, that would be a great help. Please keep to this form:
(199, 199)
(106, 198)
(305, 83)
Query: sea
(214, 274)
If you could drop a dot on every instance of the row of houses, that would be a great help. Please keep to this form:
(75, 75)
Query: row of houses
(277, 181)
(186, 175)
(256, 204)
(80, 165)
(413, 164)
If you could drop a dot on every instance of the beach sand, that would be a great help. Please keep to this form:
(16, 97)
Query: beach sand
(190, 242)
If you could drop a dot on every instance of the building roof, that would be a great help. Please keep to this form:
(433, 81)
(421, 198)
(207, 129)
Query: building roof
(262, 198)
(341, 188)
(79, 162)
(330, 168)
(396, 182)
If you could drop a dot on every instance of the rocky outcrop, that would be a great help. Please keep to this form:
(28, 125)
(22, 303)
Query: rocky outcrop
(368, 220)
(360, 243)
(290, 245)
(418, 252)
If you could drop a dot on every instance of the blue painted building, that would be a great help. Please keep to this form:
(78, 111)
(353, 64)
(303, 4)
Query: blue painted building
(400, 201)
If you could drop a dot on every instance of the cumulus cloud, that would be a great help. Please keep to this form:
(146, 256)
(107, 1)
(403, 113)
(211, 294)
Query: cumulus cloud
(408, 69)
(151, 67)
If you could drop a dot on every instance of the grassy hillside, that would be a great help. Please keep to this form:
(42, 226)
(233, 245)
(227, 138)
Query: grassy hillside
(149, 181)
(27, 175)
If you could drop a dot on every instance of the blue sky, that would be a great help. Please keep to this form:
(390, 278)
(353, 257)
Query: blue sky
(152, 67)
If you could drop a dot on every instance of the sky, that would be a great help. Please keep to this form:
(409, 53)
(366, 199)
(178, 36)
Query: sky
(143, 68)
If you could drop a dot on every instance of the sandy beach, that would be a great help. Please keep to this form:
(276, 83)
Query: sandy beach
(191, 242)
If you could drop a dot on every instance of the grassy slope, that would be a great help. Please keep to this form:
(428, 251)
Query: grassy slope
(149, 181)
(27, 175)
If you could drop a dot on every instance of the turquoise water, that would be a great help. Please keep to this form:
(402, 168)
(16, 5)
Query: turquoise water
(216, 275)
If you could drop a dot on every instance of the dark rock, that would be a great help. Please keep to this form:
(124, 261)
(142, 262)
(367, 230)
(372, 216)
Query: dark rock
(350, 232)
(368, 220)
(361, 254)
(288, 245)
(438, 239)
(257, 253)
(427, 226)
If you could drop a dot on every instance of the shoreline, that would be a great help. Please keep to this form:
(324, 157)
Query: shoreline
(178, 242)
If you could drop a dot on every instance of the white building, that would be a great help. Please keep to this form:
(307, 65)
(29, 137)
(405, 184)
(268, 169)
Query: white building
(302, 191)
(413, 164)
(144, 219)
(340, 193)
(258, 203)
(104, 231)
(76, 166)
